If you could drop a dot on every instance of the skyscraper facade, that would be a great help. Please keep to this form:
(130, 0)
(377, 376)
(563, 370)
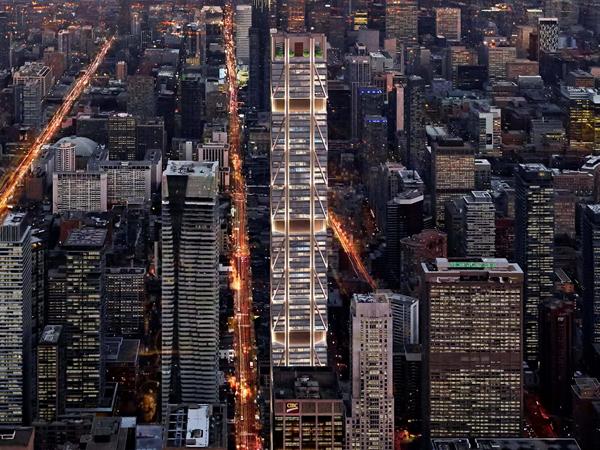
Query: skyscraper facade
(472, 344)
(478, 225)
(84, 311)
(401, 17)
(50, 380)
(122, 144)
(372, 422)
(591, 276)
(190, 284)
(299, 199)
(15, 310)
(534, 245)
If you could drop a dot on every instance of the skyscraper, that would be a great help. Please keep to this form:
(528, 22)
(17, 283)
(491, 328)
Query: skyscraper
(372, 423)
(243, 22)
(472, 347)
(591, 275)
(122, 145)
(548, 31)
(401, 18)
(534, 245)
(478, 225)
(299, 199)
(447, 23)
(4, 42)
(50, 382)
(15, 310)
(414, 112)
(84, 310)
(190, 284)
(140, 96)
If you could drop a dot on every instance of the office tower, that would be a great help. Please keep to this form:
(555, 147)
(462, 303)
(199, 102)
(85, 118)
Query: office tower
(122, 144)
(15, 310)
(590, 15)
(64, 42)
(4, 42)
(39, 267)
(299, 199)
(29, 102)
(308, 410)
(472, 347)
(84, 313)
(405, 324)
(136, 23)
(523, 36)
(190, 287)
(485, 126)
(447, 23)
(243, 22)
(565, 11)
(51, 374)
(590, 249)
(150, 135)
(192, 105)
(586, 417)
(64, 157)
(404, 217)
(401, 17)
(358, 74)
(372, 397)
(583, 123)
(79, 191)
(534, 245)
(556, 354)
(121, 71)
(217, 151)
(428, 245)
(478, 225)
(452, 172)
(141, 100)
(35, 71)
(548, 31)
(292, 15)
(498, 57)
(371, 102)
(125, 298)
(505, 443)
(415, 121)
(195, 425)
(374, 141)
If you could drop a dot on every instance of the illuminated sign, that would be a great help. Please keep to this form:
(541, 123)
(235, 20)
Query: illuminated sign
(292, 408)
(471, 265)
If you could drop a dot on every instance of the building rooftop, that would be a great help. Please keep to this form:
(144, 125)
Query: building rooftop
(504, 444)
(51, 335)
(119, 350)
(304, 382)
(191, 168)
(86, 237)
(16, 437)
(456, 266)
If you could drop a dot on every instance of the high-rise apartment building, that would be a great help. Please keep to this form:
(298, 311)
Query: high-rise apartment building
(447, 23)
(190, 283)
(51, 375)
(452, 173)
(472, 347)
(534, 245)
(84, 311)
(372, 399)
(590, 250)
(79, 191)
(15, 310)
(122, 142)
(65, 157)
(478, 225)
(299, 199)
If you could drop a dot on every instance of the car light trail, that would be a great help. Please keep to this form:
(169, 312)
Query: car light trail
(247, 421)
(351, 250)
(11, 184)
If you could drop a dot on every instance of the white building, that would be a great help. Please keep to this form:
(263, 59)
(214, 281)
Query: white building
(190, 287)
(372, 422)
(15, 311)
(299, 199)
(243, 22)
(79, 191)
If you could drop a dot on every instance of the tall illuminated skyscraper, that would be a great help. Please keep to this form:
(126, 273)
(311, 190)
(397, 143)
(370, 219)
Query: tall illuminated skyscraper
(298, 199)
(15, 311)
(534, 245)
(472, 347)
(372, 423)
(401, 18)
(190, 283)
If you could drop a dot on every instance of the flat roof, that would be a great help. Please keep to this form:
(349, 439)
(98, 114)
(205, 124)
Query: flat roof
(504, 444)
(187, 168)
(86, 237)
